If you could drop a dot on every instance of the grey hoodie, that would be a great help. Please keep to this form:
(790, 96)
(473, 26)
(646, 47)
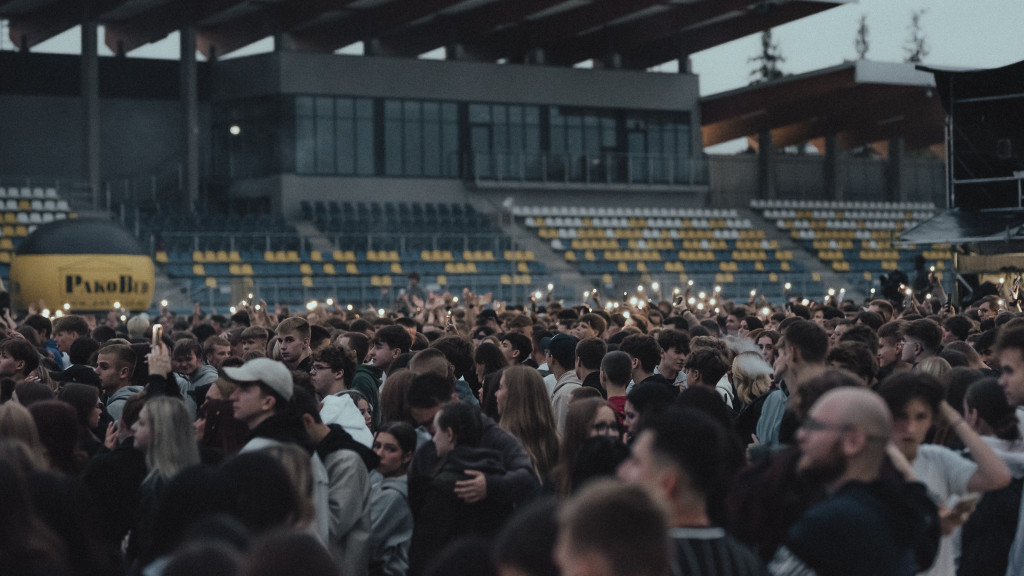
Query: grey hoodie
(115, 403)
(392, 525)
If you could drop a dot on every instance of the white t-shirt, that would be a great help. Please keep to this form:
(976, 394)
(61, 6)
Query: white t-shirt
(945, 474)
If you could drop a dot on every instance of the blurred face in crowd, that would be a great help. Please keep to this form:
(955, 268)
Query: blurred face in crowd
(911, 426)
(292, 347)
(364, 409)
(143, 432)
(64, 339)
(323, 377)
(106, 368)
(732, 324)
(185, 363)
(1011, 363)
(889, 351)
(632, 419)
(673, 360)
(820, 439)
(218, 354)
(254, 345)
(767, 347)
(444, 438)
(8, 365)
(605, 423)
(392, 460)
(911, 349)
(383, 355)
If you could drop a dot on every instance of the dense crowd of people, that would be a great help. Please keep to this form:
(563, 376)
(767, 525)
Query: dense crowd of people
(468, 436)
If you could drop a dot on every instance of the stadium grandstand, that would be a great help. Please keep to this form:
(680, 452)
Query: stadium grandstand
(540, 150)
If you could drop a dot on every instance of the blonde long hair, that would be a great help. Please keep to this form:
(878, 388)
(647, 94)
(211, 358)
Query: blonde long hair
(173, 444)
(751, 376)
(527, 415)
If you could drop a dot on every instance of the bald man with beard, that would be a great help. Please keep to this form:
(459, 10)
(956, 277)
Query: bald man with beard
(867, 525)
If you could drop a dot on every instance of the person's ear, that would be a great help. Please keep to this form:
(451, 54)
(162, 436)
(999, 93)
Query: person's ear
(971, 416)
(125, 373)
(268, 402)
(853, 441)
(339, 374)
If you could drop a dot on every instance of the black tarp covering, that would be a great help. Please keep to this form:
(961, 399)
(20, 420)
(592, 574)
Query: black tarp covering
(987, 112)
(80, 236)
(967, 226)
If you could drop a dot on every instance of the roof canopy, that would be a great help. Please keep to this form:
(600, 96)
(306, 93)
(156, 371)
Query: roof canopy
(642, 33)
(860, 102)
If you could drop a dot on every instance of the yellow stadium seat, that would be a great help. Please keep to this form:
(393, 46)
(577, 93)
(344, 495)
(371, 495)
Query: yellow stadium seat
(198, 270)
(442, 280)
(234, 256)
(270, 256)
(161, 256)
(396, 268)
(211, 282)
(316, 256)
(351, 268)
(247, 269)
(305, 269)
(307, 281)
(198, 256)
(222, 256)
(329, 269)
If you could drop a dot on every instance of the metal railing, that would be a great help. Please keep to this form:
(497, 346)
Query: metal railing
(166, 240)
(601, 168)
(409, 241)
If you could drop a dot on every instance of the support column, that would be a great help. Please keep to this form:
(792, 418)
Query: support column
(833, 190)
(765, 165)
(91, 107)
(190, 117)
(894, 169)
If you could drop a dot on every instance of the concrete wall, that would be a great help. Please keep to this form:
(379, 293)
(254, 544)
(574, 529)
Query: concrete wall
(304, 73)
(41, 136)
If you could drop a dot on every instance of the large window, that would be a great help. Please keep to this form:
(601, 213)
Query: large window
(505, 139)
(334, 135)
(421, 138)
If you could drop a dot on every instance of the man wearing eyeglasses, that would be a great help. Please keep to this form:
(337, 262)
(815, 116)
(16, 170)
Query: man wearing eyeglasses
(867, 525)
